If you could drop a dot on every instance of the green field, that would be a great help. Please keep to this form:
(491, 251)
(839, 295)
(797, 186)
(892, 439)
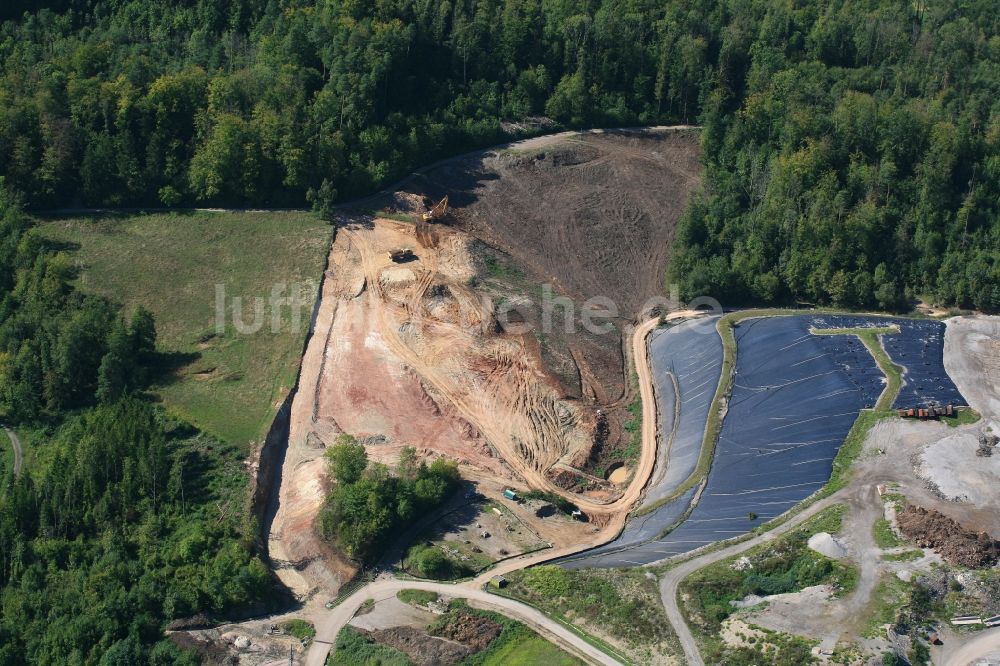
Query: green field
(529, 649)
(175, 264)
(884, 536)
(621, 607)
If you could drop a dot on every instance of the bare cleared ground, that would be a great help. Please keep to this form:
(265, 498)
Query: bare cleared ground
(408, 355)
(593, 215)
(411, 354)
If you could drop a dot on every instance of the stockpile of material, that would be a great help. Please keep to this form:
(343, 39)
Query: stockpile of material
(932, 529)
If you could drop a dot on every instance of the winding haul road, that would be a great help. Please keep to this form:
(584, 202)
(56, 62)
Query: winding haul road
(18, 453)
(331, 623)
(328, 627)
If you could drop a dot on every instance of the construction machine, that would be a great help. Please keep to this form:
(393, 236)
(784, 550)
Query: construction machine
(437, 212)
(401, 256)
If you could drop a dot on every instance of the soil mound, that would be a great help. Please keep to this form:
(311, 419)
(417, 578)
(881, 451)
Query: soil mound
(826, 544)
(423, 650)
(473, 631)
(932, 529)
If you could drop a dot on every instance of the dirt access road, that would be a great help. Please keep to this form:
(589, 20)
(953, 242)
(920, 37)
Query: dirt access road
(328, 627)
(986, 644)
(670, 583)
(329, 623)
(18, 452)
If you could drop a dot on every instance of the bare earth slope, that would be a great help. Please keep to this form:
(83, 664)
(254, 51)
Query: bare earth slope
(593, 215)
(410, 353)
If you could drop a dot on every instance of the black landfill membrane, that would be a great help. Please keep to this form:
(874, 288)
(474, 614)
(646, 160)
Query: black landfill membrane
(795, 397)
(691, 353)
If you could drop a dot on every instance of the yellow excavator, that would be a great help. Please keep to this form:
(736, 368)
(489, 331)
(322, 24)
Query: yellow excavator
(437, 212)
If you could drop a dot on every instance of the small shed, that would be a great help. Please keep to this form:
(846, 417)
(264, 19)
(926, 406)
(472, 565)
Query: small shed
(499, 582)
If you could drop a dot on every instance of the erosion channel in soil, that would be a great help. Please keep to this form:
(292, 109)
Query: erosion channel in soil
(436, 336)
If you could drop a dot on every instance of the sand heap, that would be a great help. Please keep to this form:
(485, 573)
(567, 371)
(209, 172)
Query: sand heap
(826, 544)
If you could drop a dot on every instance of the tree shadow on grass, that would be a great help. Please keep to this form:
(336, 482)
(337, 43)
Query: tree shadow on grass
(165, 366)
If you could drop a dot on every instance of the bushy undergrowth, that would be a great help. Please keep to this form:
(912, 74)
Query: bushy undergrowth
(786, 565)
(353, 649)
(624, 604)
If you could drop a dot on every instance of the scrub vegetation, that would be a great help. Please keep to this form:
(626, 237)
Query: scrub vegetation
(963, 416)
(354, 649)
(774, 648)
(852, 444)
(513, 644)
(785, 565)
(904, 556)
(368, 504)
(888, 599)
(300, 629)
(622, 605)
(417, 597)
(885, 537)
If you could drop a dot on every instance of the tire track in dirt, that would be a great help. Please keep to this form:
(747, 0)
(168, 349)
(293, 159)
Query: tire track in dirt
(500, 440)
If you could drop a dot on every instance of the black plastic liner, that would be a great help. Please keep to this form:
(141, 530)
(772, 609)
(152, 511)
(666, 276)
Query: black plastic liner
(795, 398)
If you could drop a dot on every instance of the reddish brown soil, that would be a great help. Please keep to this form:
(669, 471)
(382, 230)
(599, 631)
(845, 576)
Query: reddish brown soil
(473, 631)
(957, 545)
(592, 215)
(410, 353)
(423, 650)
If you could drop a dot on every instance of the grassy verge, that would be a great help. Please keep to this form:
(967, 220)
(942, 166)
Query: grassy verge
(888, 598)
(353, 649)
(300, 629)
(517, 645)
(963, 416)
(634, 429)
(716, 411)
(6, 456)
(846, 455)
(528, 650)
(771, 647)
(905, 556)
(870, 338)
(622, 608)
(227, 384)
(785, 565)
(417, 597)
(885, 537)
(514, 643)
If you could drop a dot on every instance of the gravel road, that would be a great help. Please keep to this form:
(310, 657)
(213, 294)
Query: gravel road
(330, 625)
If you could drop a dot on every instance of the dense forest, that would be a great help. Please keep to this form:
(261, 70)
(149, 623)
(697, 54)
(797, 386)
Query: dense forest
(852, 157)
(851, 148)
(125, 519)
